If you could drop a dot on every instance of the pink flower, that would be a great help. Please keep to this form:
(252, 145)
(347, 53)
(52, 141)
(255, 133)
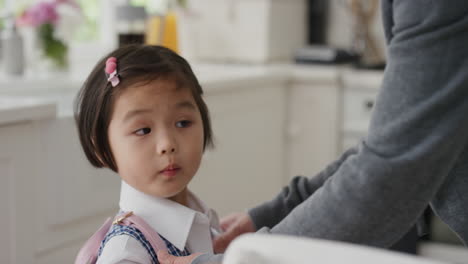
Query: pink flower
(43, 12)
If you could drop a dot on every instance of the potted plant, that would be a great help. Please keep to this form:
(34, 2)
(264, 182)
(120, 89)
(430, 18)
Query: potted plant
(51, 26)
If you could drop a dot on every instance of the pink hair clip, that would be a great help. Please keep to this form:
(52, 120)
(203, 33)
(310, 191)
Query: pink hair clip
(111, 71)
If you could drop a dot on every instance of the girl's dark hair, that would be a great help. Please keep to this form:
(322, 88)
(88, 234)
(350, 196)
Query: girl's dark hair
(135, 64)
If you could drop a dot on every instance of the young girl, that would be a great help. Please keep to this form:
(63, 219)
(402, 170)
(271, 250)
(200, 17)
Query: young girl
(141, 114)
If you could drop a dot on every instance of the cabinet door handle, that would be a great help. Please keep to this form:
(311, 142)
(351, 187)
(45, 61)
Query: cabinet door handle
(369, 104)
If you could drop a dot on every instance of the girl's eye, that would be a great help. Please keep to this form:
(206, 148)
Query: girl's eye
(183, 123)
(143, 131)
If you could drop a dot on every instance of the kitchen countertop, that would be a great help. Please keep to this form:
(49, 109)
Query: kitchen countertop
(211, 76)
(36, 97)
(19, 109)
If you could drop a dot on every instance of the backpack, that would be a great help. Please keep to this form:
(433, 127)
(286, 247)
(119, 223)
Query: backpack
(88, 254)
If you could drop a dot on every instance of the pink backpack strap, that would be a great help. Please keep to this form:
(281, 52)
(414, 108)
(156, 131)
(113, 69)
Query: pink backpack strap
(150, 234)
(88, 253)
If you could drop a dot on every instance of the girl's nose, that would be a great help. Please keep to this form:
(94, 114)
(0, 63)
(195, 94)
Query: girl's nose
(166, 145)
(168, 150)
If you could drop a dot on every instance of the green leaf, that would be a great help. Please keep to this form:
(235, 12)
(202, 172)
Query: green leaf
(53, 48)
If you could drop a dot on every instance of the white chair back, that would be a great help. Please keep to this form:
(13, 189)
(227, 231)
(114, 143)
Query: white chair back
(280, 249)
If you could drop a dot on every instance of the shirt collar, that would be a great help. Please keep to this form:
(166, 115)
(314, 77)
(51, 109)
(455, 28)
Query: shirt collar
(171, 220)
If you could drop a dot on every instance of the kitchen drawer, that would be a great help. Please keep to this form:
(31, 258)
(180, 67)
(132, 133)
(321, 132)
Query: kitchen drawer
(357, 109)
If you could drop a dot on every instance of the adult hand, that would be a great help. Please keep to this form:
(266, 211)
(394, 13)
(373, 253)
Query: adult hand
(233, 226)
(166, 258)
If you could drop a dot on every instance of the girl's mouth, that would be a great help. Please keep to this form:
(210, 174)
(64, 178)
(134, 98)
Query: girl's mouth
(170, 171)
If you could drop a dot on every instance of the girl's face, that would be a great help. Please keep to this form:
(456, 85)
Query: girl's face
(156, 137)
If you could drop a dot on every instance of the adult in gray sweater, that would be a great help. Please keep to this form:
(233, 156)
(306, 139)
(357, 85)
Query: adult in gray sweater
(415, 153)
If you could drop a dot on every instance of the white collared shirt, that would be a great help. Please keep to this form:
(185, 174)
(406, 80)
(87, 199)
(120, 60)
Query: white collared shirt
(181, 226)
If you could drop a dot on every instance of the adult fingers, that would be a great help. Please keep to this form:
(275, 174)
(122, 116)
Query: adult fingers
(166, 258)
(227, 221)
(222, 241)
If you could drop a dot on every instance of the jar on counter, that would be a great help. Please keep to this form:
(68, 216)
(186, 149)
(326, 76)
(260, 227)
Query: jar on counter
(12, 53)
(131, 24)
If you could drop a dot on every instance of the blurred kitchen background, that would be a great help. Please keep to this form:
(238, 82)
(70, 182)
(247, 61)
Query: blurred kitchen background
(290, 85)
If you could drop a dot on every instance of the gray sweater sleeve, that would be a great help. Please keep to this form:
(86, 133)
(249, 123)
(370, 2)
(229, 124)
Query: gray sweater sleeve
(418, 130)
(300, 188)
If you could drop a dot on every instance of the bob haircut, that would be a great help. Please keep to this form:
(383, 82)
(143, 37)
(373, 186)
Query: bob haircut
(135, 64)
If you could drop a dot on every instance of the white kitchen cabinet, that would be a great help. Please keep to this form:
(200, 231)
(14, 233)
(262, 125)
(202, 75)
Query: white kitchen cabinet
(52, 198)
(313, 119)
(329, 110)
(360, 90)
(246, 167)
(17, 183)
(74, 198)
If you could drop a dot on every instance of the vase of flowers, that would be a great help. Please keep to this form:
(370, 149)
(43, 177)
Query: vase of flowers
(49, 27)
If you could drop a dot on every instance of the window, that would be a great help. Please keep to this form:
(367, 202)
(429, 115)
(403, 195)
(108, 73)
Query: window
(150, 6)
(89, 30)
